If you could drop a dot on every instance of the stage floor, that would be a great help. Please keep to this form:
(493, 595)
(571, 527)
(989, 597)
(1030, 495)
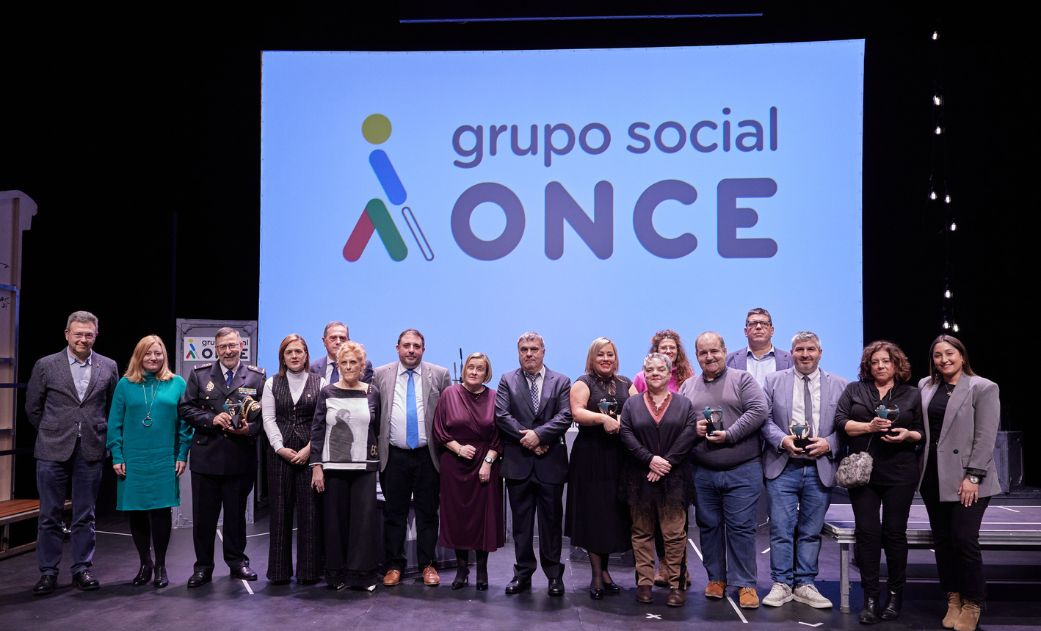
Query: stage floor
(232, 604)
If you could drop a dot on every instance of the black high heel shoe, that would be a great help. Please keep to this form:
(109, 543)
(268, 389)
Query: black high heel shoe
(143, 575)
(611, 587)
(161, 580)
(596, 593)
(482, 578)
(461, 580)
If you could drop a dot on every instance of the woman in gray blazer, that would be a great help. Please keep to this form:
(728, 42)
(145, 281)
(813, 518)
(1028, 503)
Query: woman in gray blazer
(958, 474)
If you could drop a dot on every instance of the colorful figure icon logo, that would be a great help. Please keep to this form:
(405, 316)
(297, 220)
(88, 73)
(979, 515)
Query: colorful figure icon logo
(376, 129)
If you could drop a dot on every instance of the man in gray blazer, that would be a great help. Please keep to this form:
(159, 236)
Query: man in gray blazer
(799, 479)
(335, 334)
(532, 412)
(67, 401)
(759, 358)
(409, 471)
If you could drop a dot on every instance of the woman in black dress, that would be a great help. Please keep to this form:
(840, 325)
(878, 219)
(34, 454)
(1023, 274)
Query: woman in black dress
(882, 415)
(597, 520)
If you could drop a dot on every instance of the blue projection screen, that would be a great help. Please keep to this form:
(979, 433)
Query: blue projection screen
(578, 193)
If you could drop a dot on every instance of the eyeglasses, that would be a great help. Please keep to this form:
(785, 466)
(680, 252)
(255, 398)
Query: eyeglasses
(755, 324)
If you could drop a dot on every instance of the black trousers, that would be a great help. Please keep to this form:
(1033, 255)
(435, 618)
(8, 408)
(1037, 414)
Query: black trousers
(873, 535)
(209, 494)
(956, 538)
(290, 489)
(528, 498)
(350, 527)
(409, 478)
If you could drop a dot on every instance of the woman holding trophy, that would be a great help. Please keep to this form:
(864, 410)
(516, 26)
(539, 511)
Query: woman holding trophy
(597, 520)
(882, 415)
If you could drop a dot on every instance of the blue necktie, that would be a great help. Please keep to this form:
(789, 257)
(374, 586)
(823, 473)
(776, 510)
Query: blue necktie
(411, 415)
(334, 376)
(228, 376)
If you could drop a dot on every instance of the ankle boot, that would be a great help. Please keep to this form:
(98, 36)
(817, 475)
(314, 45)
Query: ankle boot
(161, 579)
(482, 571)
(869, 614)
(892, 610)
(953, 610)
(143, 575)
(969, 617)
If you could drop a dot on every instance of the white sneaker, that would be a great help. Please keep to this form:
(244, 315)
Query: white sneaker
(808, 595)
(779, 594)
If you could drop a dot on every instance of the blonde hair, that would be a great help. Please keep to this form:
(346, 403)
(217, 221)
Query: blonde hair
(487, 364)
(353, 348)
(136, 373)
(594, 348)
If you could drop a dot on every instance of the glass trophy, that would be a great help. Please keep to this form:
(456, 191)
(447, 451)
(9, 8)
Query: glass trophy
(801, 431)
(608, 407)
(890, 414)
(237, 410)
(714, 416)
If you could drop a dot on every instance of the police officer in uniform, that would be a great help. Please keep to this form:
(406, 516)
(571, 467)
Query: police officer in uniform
(220, 402)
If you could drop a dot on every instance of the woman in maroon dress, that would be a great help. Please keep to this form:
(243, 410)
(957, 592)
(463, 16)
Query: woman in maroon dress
(471, 482)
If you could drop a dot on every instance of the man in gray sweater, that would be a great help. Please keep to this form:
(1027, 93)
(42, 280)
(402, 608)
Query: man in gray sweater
(729, 475)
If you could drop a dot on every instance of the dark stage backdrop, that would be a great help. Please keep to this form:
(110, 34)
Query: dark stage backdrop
(141, 147)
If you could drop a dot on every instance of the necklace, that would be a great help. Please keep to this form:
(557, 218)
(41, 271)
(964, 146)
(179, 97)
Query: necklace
(147, 420)
(949, 388)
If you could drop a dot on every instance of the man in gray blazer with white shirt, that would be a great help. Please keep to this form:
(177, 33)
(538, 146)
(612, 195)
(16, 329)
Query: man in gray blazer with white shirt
(760, 357)
(67, 401)
(409, 470)
(799, 480)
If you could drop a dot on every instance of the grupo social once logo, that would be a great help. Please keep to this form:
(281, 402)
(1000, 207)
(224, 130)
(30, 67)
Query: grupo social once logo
(375, 217)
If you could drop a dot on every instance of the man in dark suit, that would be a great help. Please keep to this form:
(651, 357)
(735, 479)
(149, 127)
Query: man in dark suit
(67, 401)
(532, 411)
(759, 358)
(409, 470)
(335, 334)
(799, 478)
(220, 402)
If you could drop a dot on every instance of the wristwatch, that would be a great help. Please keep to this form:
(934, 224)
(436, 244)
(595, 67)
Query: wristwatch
(489, 460)
(975, 479)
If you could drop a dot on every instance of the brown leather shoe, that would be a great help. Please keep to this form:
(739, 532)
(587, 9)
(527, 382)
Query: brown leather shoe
(392, 578)
(643, 595)
(715, 589)
(430, 577)
(677, 598)
(748, 598)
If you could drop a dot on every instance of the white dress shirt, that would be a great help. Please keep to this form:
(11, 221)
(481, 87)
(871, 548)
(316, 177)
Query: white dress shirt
(398, 411)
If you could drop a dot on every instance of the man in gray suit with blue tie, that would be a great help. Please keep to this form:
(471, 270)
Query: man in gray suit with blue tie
(67, 401)
(532, 411)
(799, 476)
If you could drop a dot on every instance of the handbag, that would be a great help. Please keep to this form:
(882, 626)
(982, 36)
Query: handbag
(855, 469)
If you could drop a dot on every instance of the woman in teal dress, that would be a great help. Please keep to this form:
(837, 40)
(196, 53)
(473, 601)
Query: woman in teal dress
(149, 444)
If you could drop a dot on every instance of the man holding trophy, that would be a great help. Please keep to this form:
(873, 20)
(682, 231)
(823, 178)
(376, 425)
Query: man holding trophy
(220, 402)
(729, 476)
(799, 464)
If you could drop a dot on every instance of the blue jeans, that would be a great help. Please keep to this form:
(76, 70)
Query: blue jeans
(52, 480)
(725, 513)
(798, 503)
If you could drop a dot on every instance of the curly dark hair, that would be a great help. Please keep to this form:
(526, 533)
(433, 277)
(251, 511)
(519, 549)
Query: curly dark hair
(901, 365)
(681, 367)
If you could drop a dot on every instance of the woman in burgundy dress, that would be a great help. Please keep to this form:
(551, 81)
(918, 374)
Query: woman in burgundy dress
(471, 482)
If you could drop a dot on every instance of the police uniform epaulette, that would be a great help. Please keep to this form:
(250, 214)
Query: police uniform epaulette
(206, 366)
(255, 369)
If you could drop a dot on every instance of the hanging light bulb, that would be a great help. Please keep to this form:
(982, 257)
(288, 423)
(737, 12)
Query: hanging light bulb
(936, 35)
(932, 195)
(937, 100)
(946, 325)
(947, 199)
(955, 327)
(954, 226)
(938, 130)
(947, 294)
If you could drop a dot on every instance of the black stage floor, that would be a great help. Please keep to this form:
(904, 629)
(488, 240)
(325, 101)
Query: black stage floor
(234, 604)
